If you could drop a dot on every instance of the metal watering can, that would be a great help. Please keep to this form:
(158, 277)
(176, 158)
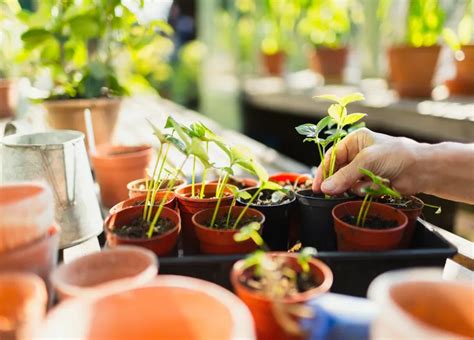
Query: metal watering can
(58, 158)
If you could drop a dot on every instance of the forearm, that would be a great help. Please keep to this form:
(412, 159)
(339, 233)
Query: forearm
(447, 170)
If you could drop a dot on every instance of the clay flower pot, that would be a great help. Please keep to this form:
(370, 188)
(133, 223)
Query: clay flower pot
(221, 241)
(353, 238)
(161, 245)
(23, 299)
(412, 69)
(117, 165)
(26, 211)
(68, 114)
(274, 64)
(329, 62)
(8, 98)
(111, 270)
(419, 304)
(190, 309)
(139, 200)
(262, 306)
(188, 206)
(137, 187)
(463, 83)
(39, 256)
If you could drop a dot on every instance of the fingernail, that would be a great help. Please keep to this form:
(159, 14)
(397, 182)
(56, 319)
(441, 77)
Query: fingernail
(328, 185)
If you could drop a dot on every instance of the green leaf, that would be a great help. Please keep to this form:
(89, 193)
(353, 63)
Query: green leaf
(196, 149)
(178, 144)
(323, 123)
(337, 112)
(157, 132)
(246, 232)
(35, 37)
(308, 130)
(353, 118)
(328, 97)
(271, 186)
(357, 126)
(351, 98)
(196, 130)
(84, 26)
(180, 131)
(244, 195)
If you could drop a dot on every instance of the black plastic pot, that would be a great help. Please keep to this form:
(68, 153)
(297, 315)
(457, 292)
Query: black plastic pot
(277, 220)
(317, 226)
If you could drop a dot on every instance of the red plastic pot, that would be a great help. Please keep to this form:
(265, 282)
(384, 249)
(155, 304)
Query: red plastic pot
(292, 177)
(137, 187)
(352, 238)
(117, 165)
(329, 62)
(134, 201)
(188, 206)
(274, 64)
(262, 307)
(412, 69)
(221, 241)
(39, 256)
(161, 245)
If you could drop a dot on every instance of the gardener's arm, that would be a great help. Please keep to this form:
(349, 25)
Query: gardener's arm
(445, 170)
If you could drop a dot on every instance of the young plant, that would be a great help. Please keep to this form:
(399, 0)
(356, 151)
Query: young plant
(465, 31)
(338, 117)
(271, 274)
(379, 187)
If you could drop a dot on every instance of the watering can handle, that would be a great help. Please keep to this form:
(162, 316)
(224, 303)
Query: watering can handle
(69, 156)
(17, 126)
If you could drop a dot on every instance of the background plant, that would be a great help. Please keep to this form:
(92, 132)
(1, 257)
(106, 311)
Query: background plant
(10, 32)
(465, 30)
(80, 43)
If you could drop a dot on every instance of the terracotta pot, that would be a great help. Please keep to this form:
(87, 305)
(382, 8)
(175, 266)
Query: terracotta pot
(27, 212)
(329, 62)
(263, 307)
(8, 98)
(412, 69)
(191, 309)
(274, 64)
(419, 304)
(221, 241)
(463, 83)
(137, 187)
(117, 165)
(412, 215)
(352, 238)
(139, 200)
(23, 299)
(161, 245)
(39, 256)
(69, 115)
(111, 270)
(188, 206)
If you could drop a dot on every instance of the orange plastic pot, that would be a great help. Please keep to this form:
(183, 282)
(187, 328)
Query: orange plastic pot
(8, 98)
(23, 299)
(352, 238)
(412, 69)
(117, 165)
(138, 200)
(221, 241)
(329, 62)
(137, 187)
(463, 83)
(262, 307)
(292, 177)
(161, 245)
(171, 307)
(274, 64)
(105, 272)
(26, 211)
(188, 206)
(39, 256)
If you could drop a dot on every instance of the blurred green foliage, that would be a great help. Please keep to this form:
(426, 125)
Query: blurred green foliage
(425, 22)
(10, 44)
(465, 29)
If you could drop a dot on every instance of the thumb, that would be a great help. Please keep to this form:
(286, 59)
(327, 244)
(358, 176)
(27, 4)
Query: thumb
(344, 178)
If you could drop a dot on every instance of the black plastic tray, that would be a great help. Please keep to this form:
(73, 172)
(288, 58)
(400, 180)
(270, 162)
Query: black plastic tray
(353, 271)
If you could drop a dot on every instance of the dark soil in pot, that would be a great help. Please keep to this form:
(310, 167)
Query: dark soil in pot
(276, 206)
(221, 222)
(317, 224)
(138, 228)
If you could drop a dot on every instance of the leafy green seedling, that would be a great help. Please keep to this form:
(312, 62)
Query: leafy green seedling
(305, 255)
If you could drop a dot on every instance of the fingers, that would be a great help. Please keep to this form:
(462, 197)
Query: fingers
(344, 178)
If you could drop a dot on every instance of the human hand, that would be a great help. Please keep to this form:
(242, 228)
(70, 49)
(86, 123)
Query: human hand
(394, 158)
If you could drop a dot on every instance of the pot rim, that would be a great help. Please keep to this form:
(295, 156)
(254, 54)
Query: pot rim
(117, 207)
(74, 290)
(74, 137)
(229, 231)
(366, 230)
(177, 226)
(81, 101)
(181, 197)
(299, 194)
(237, 270)
(131, 184)
(419, 200)
(406, 47)
(292, 200)
(53, 231)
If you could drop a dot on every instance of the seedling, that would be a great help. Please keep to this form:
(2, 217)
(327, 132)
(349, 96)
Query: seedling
(271, 274)
(379, 187)
(464, 34)
(338, 117)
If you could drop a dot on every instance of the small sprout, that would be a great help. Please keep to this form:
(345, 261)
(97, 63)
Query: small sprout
(278, 196)
(250, 231)
(437, 207)
(305, 256)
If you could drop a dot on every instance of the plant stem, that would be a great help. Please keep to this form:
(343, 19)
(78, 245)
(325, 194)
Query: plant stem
(367, 208)
(220, 194)
(163, 200)
(244, 210)
(203, 184)
(229, 213)
(321, 156)
(153, 198)
(193, 177)
(147, 196)
(151, 190)
(361, 210)
(165, 157)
